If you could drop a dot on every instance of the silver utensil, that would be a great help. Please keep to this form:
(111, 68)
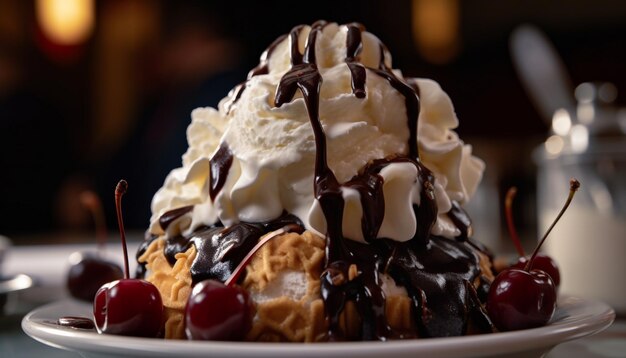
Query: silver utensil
(541, 71)
(15, 283)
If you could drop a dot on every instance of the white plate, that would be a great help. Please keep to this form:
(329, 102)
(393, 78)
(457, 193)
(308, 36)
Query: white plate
(575, 318)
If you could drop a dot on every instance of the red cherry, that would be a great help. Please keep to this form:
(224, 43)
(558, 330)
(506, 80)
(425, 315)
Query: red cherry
(218, 312)
(88, 273)
(519, 300)
(544, 263)
(128, 307)
(526, 298)
(224, 311)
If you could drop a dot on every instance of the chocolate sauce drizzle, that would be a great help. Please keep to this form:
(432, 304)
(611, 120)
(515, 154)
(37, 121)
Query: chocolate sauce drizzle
(261, 69)
(438, 273)
(264, 65)
(76, 322)
(218, 249)
(169, 217)
(354, 46)
(220, 165)
(461, 220)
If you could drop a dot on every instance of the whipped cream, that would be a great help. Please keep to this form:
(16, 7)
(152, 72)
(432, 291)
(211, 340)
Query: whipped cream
(273, 148)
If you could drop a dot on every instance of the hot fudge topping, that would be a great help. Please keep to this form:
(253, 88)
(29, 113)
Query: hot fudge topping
(438, 264)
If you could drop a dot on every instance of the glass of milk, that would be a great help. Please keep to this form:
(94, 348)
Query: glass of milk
(589, 242)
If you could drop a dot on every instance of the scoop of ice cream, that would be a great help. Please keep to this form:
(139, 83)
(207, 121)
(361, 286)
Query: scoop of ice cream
(250, 160)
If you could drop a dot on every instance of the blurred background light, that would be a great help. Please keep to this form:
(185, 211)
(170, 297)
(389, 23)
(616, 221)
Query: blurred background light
(435, 25)
(91, 92)
(554, 145)
(585, 112)
(561, 122)
(579, 138)
(66, 22)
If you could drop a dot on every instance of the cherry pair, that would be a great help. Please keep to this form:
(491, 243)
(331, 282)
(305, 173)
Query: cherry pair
(127, 306)
(524, 296)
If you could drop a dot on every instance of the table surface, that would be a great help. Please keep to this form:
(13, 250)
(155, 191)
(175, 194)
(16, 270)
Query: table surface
(48, 265)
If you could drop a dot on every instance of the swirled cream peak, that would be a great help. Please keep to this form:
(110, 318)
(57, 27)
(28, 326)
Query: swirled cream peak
(251, 160)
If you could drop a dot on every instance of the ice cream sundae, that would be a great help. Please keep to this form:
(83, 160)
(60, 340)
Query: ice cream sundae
(356, 173)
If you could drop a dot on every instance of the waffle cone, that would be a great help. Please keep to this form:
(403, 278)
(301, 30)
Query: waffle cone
(283, 280)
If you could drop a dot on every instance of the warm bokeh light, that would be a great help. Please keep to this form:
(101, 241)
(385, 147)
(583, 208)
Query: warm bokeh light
(579, 138)
(554, 145)
(561, 122)
(585, 112)
(66, 22)
(435, 26)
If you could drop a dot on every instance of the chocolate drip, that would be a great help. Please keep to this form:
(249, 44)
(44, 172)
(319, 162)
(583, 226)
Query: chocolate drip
(354, 46)
(435, 277)
(168, 217)
(461, 220)
(263, 67)
(413, 83)
(220, 165)
(370, 188)
(220, 250)
(319, 24)
(426, 212)
(360, 285)
(479, 317)
(235, 95)
(294, 40)
(436, 271)
(337, 286)
(304, 75)
(76, 322)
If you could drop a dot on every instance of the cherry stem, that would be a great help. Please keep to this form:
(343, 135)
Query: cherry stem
(508, 210)
(91, 201)
(234, 277)
(573, 187)
(120, 190)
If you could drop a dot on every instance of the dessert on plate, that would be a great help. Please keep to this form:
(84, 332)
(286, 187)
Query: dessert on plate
(361, 170)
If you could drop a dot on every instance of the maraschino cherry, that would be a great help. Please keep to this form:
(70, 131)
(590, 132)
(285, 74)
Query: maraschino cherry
(223, 311)
(542, 262)
(129, 307)
(90, 270)
(525, 298)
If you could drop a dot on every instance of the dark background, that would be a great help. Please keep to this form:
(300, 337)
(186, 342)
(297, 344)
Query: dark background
(116, 105)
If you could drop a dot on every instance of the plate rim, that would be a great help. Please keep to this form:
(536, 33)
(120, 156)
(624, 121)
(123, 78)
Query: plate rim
(565, 328)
